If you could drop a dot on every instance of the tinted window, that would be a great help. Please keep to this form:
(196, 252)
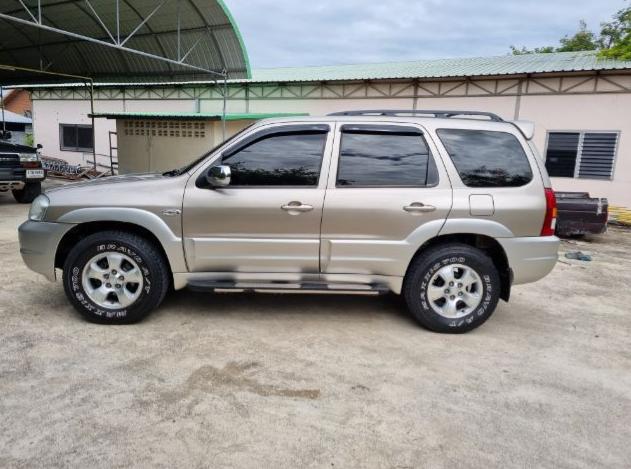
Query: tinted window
(371, 158)
(487, 159)
(284, 159)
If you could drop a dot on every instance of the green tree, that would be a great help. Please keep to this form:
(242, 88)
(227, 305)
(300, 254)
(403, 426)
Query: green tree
(615, 36)
(584, 39)
(614, 40)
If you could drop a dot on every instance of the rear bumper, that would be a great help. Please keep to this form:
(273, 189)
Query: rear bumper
(531, 258)
(38, 245)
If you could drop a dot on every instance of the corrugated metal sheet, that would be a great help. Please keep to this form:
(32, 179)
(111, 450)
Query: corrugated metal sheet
(561, 62)
(446, 68)
(205, 24)
(14, 118)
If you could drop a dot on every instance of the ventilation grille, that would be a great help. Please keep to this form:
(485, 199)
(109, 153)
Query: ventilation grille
(170, 129)
(598, 155)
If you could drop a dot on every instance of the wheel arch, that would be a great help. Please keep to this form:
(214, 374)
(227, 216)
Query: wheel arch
(485, 243)
(135, 220)
(83, 230)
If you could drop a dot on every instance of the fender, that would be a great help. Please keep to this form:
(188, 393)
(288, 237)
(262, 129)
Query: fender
(489, 228)
(171, 243)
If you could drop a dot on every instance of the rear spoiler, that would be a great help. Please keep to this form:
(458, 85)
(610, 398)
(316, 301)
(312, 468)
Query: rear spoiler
(527, 128)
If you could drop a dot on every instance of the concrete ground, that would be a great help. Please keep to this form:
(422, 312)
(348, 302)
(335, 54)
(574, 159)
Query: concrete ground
(303, 381)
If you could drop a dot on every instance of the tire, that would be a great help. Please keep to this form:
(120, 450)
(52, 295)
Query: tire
(28, 193)
(454, 306)
(93, 277)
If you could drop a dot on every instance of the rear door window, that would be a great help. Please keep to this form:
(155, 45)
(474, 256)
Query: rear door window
(385, 156)
(487, 158)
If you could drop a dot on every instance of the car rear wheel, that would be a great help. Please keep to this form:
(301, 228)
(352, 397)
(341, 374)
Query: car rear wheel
(27, 194)
(452, 288)
(115, 277)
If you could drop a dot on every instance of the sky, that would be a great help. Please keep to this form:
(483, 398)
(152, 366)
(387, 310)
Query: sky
(291, 33)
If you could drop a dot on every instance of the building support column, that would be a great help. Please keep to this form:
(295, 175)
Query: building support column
(518, 99)
(416, 95)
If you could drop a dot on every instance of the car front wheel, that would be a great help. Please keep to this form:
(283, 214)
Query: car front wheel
(115, 277)
(452, 288)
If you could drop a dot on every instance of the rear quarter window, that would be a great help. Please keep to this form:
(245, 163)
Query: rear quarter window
(487, 158)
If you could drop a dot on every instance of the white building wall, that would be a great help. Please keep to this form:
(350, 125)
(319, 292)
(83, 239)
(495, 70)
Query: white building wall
(580, 112)
(587, 112)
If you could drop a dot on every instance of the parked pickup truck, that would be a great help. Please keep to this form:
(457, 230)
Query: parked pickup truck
(21, 171)
(580, 214)
(447, 210)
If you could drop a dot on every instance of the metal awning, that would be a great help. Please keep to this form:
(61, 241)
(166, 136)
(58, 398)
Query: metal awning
(192, 116)
(120, 40)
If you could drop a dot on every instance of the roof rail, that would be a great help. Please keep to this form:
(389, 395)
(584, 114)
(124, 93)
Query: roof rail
(432, 113)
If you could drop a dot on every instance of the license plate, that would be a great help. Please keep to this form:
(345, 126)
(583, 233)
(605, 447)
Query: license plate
(34, 174)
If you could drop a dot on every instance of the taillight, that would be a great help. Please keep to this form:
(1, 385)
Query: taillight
(550, 221)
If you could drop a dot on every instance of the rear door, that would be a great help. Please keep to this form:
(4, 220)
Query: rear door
(387, 194)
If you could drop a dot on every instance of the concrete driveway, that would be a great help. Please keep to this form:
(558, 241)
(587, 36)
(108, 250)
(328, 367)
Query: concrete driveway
(319, 381)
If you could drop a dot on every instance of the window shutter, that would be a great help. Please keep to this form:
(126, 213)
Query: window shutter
(598, 155)
(562, 153)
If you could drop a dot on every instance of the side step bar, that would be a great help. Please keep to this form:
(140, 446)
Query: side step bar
(287, 287)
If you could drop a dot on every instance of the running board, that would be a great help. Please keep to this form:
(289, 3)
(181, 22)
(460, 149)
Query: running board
(287, 287)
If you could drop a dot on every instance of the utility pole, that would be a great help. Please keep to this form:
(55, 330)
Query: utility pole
(4, 123)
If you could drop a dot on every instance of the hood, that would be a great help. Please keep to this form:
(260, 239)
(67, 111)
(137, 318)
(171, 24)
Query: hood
(107, 181)
(15, 148)
(149, 192)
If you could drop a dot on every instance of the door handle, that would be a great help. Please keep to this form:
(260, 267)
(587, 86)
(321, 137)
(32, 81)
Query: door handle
(297, 207)
(418, 207)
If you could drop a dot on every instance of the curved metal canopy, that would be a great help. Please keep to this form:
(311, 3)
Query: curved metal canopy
(120, 40)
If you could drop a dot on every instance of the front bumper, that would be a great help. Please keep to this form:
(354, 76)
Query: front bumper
(531, 258)
(18, 175)
(38, 245)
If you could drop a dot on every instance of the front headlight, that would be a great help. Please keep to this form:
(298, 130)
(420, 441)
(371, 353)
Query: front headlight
(38, 208)
(29, 157)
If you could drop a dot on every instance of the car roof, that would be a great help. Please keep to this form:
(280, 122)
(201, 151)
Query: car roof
(526, 129)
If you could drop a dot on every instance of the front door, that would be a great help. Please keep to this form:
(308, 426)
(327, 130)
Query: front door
(387, 194)
(268, 219)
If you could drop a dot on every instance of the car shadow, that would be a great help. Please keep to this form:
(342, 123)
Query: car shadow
(270, 305)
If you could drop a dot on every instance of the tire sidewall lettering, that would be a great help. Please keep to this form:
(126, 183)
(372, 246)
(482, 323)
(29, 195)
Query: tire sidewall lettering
(76, 286)
(483, 308)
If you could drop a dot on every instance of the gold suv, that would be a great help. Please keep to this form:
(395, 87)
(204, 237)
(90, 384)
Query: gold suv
(448, 208)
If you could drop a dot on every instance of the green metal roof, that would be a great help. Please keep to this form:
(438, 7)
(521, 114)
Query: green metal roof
(445, 68)
(506, 65)
(205, 116)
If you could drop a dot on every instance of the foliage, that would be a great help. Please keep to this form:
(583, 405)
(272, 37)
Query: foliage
(28, 140)
(584, 39)
(616, 36)
(614, 40)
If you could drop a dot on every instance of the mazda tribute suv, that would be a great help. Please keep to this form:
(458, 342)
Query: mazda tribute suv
(450, 209)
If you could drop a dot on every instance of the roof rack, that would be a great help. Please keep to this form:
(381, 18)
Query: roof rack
(432, 113)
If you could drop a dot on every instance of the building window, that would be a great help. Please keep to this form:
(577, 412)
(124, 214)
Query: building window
(74, 137)
(585, 155)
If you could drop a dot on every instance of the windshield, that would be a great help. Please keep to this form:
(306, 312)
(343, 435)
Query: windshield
(191, 165)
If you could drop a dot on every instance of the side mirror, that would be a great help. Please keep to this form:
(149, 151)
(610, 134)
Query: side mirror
(218, 176)
(39, 146)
